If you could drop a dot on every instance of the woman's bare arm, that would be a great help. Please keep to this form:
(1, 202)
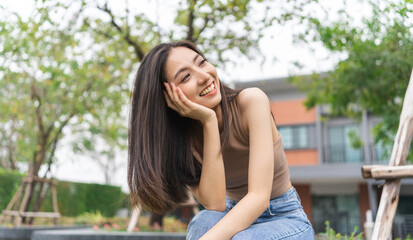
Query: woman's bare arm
(255, 110)
(211, 190)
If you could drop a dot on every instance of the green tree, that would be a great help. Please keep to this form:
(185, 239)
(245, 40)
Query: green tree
(375, 73)
(217, 27)
(64, 71)
(54, 77)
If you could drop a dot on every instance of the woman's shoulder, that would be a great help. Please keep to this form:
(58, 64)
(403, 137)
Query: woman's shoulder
(251, 102)
(249, 97)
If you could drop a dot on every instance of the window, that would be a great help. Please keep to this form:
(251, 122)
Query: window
(287, 137)
(295, 137)
(339, 144)
(342, 212)
(403, 221)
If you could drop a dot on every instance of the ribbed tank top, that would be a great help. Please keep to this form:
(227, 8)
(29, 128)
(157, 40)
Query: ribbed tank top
(236, 159)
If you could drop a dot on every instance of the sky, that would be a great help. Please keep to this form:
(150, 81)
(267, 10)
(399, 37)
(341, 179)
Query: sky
(277, 44)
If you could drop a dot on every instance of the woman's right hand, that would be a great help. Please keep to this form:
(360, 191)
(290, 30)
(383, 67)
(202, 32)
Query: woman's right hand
(176, 100)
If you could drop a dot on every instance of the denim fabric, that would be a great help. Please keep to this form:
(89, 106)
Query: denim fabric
(283, 219)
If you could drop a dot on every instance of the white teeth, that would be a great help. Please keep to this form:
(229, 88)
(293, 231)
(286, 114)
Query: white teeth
(208, 90)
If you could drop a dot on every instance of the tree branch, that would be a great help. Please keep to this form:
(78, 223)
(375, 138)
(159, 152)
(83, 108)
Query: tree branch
(41, 137)
(126, 36)
(50, 160)
(206, 21)
(39, 117)
(191, 17)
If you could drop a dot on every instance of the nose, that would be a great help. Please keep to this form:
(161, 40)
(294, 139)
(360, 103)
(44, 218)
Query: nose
(203, 76)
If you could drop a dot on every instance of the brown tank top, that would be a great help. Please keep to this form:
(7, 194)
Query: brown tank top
(236, 159)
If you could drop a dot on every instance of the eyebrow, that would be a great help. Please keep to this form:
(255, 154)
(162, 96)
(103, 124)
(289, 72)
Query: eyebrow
(185, 68)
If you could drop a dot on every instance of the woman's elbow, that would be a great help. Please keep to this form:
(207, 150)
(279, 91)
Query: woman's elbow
(261, 199)
(217, 206)
(266, 204)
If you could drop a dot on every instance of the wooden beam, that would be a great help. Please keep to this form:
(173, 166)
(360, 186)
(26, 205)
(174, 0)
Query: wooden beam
(41, 214)
(393, 172)
(11, 213)
(386, 172)
(37, 179)
(17, 211)
(390, 195)
(366, 170)
(32, 214)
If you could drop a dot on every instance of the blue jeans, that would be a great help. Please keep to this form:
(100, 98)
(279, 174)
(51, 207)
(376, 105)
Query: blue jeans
(283, 219)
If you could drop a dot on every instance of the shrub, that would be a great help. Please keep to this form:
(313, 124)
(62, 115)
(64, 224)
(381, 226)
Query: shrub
(77, 198)
(9, 183)
(73, 198)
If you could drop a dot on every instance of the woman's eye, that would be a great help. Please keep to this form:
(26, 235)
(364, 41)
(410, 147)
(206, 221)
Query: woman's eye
(202, 62)
(185, 77)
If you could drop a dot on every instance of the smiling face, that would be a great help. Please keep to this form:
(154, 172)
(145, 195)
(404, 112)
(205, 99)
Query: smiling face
(197, 78)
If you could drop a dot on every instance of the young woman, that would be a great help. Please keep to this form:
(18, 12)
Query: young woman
(189, 131)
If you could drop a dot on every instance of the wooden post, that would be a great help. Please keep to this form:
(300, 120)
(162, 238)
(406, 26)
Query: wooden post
(385, 172)
(14, 204)
(390, 195)
(25, 201)
(136, 212)
(54, 199)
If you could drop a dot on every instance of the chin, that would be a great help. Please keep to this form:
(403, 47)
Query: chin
(213, 104)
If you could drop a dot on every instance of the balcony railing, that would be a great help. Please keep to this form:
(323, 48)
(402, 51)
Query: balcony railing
(378, 154)
(347, 154)
(342, 154)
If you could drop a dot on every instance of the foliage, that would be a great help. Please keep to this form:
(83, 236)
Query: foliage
(409, 237)
(64, 70)
(374, 75)
(355, 139)
(52, 77)
(55, 77)
(77, 198)
(9, 183)
(73, 198)
(330, 234)
(217, 27)
(88, 218)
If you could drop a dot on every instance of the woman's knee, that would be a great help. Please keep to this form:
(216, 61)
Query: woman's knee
(202, 222)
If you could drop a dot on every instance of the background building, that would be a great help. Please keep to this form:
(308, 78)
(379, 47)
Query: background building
(325, 167)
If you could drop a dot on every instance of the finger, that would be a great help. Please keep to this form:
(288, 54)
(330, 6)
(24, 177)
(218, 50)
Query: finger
(183, 104)
(169, 90)
(172, 96)
(174, 101)
(175, 93)
(185, 101)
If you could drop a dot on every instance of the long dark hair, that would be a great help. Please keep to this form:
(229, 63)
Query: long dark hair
(161, 164)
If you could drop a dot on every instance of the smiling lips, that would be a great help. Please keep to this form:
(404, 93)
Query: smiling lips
(208, 89)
